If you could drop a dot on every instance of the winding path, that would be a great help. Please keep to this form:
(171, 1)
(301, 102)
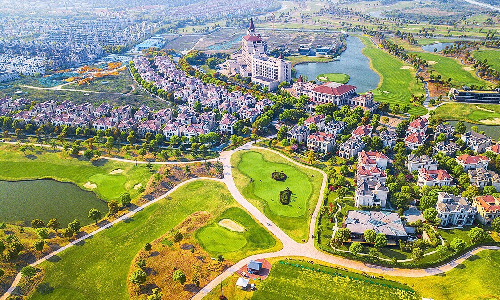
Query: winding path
(290, 247)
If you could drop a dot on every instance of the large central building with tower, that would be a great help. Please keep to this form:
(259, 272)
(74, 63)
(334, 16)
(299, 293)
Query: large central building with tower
(252, 61)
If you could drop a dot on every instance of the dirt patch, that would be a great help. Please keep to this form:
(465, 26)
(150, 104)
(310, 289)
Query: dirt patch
(231, 225)
(117, 171)
(406, 68)
(495, 121)
(431, 62)
(137, 186)
(167, 256)
(484, 109)
(89, 185)
(468, 68)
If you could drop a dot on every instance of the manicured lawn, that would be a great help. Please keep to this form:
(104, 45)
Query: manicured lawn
(14, 165)
(253, 178)
(98, 268)
(292, 282)
(300, 59)
(493, 57)
(335, 77)
(216, 239)
(451, 68)
(476, 278)
(473, 113)
(397, 84)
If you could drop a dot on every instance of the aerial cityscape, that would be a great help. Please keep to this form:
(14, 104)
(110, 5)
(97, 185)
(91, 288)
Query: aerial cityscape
(250, 149)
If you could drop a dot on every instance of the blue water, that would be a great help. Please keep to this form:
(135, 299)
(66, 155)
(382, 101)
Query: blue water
(438, 46)
(352, 62)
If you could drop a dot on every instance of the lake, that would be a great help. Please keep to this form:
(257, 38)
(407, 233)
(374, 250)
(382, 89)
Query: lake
(490, 130)
(351, 62)
(45, 199)
(438, 46)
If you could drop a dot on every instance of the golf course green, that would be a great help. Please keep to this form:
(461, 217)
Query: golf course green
(253, 178)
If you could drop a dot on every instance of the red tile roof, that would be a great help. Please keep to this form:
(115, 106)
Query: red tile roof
(252, 38)
(489, 203)
(430, 175)
(472, 160)
(336, 91)
(419, 123)
(496, 148)
(362, 130)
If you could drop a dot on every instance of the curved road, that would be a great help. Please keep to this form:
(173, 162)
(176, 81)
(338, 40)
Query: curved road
(290, 247)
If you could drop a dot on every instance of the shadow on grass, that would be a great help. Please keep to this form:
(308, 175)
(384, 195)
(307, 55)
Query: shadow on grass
(31, 156)
(54, 258)
(44, 289)
(474, 257)
(99, 162)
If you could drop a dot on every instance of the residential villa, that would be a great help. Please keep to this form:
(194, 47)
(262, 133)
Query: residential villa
(416, 163)
(488, 208)
(471, 162)
(454, 210)
(433, 178)
(476, 141)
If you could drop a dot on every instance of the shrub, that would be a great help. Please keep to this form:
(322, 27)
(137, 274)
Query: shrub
(138, 277)
(178, 237)
(43, 233)
(179, 276)
(28, 271)
(278, 176)
(285, 196)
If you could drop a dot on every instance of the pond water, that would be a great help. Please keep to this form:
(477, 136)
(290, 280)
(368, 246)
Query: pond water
(351, 62)
(493, 131)
(438, 46)
(23, 201)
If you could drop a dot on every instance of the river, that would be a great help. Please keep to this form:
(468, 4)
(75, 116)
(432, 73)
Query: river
(351, 62)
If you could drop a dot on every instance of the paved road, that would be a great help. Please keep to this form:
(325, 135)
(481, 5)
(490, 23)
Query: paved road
(481, 4)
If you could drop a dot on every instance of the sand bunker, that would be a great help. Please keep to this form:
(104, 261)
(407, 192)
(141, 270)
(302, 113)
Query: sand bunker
(495, 121)
(406, 68)
(117, 171)
(90, 186)
(385, 92)
(323, 78)
(231, 225)
(431, 62)
(137, 186)
(468, 68)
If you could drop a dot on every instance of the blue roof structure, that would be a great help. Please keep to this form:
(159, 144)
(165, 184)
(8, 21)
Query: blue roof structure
(254, 265)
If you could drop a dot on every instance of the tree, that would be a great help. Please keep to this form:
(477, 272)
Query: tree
(88, 154)
(43, 233)
(417, 253)
(477, 235)
(28, 271)
(113, 207)
(488, 190)
(458, 244)
(2, 247)
(37, 223)
(141, 263)
(67, 232)
(460, 127)
(370, 235)
(495, 224)
(430, 214)
(54, 224)
(356, 248)
(157, 294)
(441, 138)
(138, 277)
(125, 199)
(380, 241)
(471, 192)
(179, 276)
(311, 156)
(75, 226)
(39, 245)
(95, 214)
(178, 237)
(2, 272)
(441, 250)
(343, 235)
(147, 247)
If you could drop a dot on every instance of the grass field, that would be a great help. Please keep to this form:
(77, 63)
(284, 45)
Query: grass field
(488, 114)
(477, 278)
(451, 68)
(301, 59)
(253, 178)
(216, 239)
(335, 77)
(301, 280)
(14, 165)
(397, 83)
(98, 268)
(493, 57)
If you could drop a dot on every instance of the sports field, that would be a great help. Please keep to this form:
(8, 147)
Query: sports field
(252, 176)
(216, 239)
(98, 267)
(488, 114)
(397, 79)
